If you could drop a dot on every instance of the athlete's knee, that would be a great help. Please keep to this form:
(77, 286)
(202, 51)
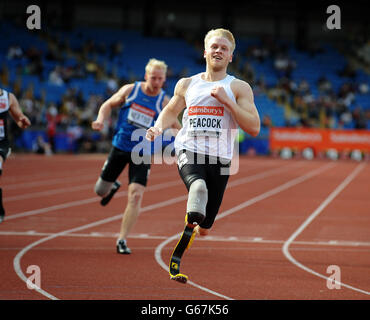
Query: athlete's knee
(197, 201)
(195, 218)
(135, 194)
(198, 197)
(102, 187)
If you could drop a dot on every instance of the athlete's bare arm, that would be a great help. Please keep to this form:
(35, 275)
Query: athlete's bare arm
(16, 112)
(175, 128)
(114, 101)
(244, 110)
(169, 115)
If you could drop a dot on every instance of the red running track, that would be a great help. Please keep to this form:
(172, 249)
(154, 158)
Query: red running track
(281, 225)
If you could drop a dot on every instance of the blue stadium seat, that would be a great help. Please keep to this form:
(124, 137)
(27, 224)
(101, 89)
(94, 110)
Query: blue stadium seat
(137, 50)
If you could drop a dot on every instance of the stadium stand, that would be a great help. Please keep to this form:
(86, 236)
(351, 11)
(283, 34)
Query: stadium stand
(69, 74)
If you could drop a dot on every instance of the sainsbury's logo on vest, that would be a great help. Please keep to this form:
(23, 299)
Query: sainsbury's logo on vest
(206, 110)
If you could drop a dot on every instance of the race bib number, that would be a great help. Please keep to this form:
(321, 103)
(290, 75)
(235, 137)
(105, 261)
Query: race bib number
(2, 129)
(140, 116)
(205, 121)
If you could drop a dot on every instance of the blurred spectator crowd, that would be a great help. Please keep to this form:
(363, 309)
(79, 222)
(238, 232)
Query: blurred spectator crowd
(338, 99)
(74, 113)
(270, 66)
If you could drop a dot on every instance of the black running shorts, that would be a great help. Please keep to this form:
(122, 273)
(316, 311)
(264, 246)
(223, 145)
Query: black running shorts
(117, 161)
(4, 151)
(194, 166)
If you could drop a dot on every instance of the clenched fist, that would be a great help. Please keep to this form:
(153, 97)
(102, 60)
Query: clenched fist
(220, 94)
(152, 133)
(23, 122)
(97, 125)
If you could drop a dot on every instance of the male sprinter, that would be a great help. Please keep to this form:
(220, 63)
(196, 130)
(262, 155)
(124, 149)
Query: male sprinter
(140, 103)
(8, 104)
(216, 104)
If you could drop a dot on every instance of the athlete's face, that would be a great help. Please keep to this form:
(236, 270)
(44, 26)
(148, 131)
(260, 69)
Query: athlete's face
(155, 79)
(218, 53)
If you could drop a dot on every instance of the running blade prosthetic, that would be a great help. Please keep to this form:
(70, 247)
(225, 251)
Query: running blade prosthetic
(182, 245)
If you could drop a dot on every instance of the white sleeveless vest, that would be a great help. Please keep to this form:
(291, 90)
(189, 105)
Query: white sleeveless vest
(208, 126)
(4, 108)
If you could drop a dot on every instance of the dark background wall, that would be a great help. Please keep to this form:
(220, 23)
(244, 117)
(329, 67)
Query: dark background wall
(286, 19)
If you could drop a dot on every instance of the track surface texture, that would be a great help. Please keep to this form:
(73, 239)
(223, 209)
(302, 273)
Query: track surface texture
(283, 227)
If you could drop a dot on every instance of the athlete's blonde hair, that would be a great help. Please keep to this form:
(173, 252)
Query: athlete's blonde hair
(154, 63)
(220, 32)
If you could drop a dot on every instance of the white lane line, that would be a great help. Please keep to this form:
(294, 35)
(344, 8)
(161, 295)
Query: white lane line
(47, 182)
(274, 191)
(258, 240)
(314, 214)
(287, 185)
(79, 188)
(17, 259)
(52, 208)
(63, 189)
(158, 258)
(263, 174)
(86, 201)
(149, 188)
(82, 176)
(19, 180)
